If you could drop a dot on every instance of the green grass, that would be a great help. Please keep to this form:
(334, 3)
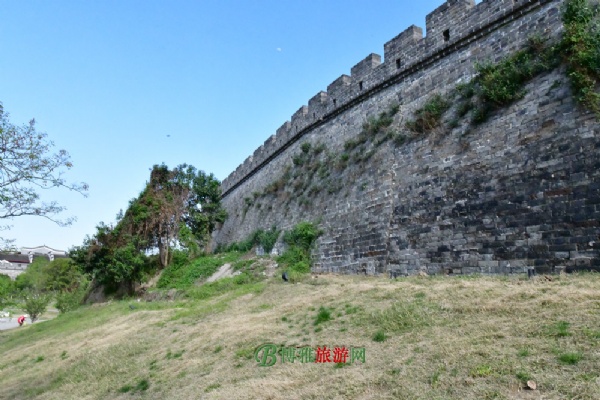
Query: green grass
(323, 315)
(524, 353)
(237, 285)
(481, 371)
(570, 358)
(379, 336)
(404, 316)
(559, 329)
(523, 376)
(177, 354)
(212, 387)
(185, 275)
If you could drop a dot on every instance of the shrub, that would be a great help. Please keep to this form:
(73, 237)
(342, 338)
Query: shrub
(297, 257)
(32, 278)
(7, 288)
(302, 235)
(267, 239)
(429, 116)
(375, 125)
(61, 274)
(499, 84)
(69, 301)
(35, 304)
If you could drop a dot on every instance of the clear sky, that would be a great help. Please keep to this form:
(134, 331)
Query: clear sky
(123, 85)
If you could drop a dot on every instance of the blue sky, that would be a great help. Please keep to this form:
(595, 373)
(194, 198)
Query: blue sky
(123, 85)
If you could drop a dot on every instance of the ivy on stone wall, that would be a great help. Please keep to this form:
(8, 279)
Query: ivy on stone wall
(580, 49)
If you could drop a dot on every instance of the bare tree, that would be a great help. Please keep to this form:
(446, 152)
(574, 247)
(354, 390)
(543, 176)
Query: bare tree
(28, 166)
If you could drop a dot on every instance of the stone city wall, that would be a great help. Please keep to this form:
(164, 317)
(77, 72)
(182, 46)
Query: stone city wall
(520, 190)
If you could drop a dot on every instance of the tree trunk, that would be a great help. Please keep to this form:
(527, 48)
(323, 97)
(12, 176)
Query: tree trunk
(163, 251)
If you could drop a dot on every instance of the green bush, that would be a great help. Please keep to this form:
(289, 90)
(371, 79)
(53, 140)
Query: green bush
(32, 278)
(296, 259)
(302, 267)
(267, 239)
(375, 125)
(61, 274)
(502, 83)
(35, 304)
(69, 301)
(430, 115)
(7, 290)
(302, 235)
(292, 256)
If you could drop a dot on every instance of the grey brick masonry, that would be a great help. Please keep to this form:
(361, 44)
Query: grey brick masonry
(522, 189)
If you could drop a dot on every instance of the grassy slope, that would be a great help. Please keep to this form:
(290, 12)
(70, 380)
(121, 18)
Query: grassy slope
(446, 338)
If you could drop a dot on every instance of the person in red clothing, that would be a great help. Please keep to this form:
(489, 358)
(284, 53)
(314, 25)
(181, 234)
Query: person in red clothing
(21, 320)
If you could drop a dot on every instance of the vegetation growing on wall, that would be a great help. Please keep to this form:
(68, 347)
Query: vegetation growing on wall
(310, 172)
(500, 84)
(429, 116)
(263, 238)
(495, 86)
(580, 49)
(299, 242)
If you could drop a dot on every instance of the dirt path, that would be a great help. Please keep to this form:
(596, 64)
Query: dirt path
(224, 271)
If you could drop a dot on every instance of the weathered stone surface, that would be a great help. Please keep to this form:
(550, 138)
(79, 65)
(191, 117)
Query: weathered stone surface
(521, 190)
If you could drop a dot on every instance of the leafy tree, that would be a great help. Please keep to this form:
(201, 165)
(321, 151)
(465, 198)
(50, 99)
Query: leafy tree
(177, 208)
(68, 301)
(180, 206)
(7, 288)
(156, 214)
(111, 258)
(61, 274)
(33, 278)
(28, 165)
(35, 304)
(204, 209)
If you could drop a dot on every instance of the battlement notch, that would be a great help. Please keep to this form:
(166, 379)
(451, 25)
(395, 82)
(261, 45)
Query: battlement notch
(402, 50)
(317, 106)
(338, 90)
(444, 22)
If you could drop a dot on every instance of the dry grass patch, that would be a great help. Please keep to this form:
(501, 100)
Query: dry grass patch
(441, 338)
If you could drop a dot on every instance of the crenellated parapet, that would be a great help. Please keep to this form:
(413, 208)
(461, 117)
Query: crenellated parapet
(450, 27)
(445, 22)
(317, 106)
(402, 50)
